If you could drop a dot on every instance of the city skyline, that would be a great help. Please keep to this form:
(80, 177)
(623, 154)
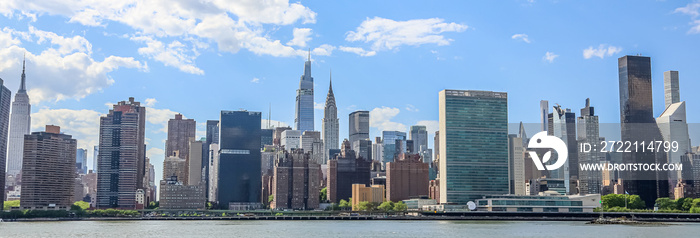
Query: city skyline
(455, 55)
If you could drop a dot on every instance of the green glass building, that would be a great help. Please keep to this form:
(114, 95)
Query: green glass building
(473, 145)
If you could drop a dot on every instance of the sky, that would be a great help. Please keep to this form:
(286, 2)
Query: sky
(388, 57)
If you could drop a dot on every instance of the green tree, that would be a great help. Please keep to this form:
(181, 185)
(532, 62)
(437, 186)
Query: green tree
(324, 195)
(344, 204)
(386, 206)
(270, 198)
(687, 204)
(635, 202)
(665, 204)
(153, 205)
(399, 207)
(9, 204)
(82, 204)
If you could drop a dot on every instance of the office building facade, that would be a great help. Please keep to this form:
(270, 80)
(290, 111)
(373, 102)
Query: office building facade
(358, 123)
(304, 113)
(330, 124)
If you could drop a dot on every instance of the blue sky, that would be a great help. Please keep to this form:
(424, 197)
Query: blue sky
(388, 57)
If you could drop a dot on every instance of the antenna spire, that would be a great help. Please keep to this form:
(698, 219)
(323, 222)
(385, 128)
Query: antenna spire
(22, 87)
(309, 54)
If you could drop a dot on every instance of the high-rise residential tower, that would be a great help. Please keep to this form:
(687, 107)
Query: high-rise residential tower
(330, 124)
(48, 174)
(122, 157)
(4, 124)
(359, 126)
(304, 119)
(473, 153)
(238, 178)
(638, 125)
(180, 133)
(20, 121)
(588, 132)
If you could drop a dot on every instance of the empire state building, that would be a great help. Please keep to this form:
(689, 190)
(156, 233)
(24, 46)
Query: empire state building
(20, 122)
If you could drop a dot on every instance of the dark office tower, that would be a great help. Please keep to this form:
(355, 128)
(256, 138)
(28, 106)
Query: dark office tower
(266, 137)
(589, 133)
(4, 124)
(122, 157)
(48, 170)
(304, 119)
(562, 124)
(473, 145)
(296, 182)
(239, 177)
(330, 125)
(363, 149)
(19, 126)
(180, 132)
(637, 125)
(359, 126)
(344, 170)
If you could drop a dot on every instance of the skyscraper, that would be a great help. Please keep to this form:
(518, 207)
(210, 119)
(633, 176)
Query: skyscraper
(406, 177)
(672, 122)
(180, 132)
(544, 111)
(4, 124)
(95, 152)
(212, 137)
(344, 170)
(122, 157)
(296, 182)
(562, 124)
(391, 149)
(473, 144)
(330, 124)
(20, 122)
(358, 126)
(81, 161)
(638, 125)
(239, 179)
(419, 135)
(304, 119)
(588, 132)
(48, 174)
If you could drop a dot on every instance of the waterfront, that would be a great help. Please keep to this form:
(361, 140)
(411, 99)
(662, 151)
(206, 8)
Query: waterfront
(339, 229)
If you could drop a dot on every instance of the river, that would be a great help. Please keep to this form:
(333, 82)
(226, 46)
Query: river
(233, 228)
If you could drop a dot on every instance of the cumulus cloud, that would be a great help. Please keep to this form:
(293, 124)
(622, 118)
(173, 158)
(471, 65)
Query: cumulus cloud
(255, 80)
(324, 50)
(430, 126)
(602, 51)
(149, 102)
(387, 34)
(187, 25)
(159, 117)
(522, 37)
(319, 106)
(273, 123)
(301, 36)
(411, 108)
(550, 56)
(83, 125)
(55, 74)
(174, 54)
(357, 50)
(380, 118)
(155, 153)
(692, 10)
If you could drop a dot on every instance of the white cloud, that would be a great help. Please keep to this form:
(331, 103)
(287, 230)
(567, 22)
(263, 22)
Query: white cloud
(58, 74)
(522, 37)
(411, 108)
(150, 102)
(159, 117)
(273, 123)
(380, 118)
(175, 54)
(692, 10)
(324, 50)
(387, 34)
(255, 80)
(83, 125)
(357, 50)
(550, 56)
(156, 153)
(319, 106)
(602, 51)
(301, 36)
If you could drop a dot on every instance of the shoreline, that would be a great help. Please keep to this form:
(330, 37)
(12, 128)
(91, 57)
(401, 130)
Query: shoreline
(456, 216)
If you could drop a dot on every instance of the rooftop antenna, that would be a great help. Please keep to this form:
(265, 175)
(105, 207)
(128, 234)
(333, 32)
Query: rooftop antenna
(269, 113)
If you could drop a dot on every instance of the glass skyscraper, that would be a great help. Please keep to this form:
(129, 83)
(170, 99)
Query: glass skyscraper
(239, 176)
(473, 145)
(304, 119)
(638, 125)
